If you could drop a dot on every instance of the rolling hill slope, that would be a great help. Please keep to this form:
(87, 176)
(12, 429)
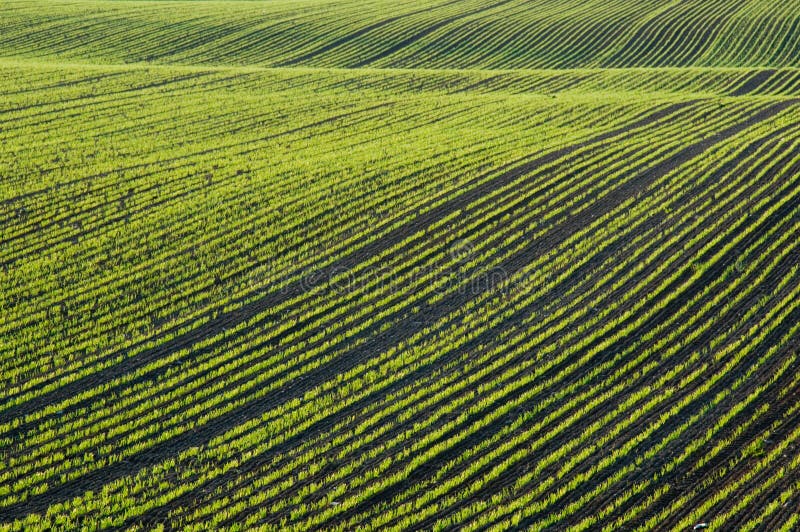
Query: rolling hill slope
(449, 34)
(410, 265)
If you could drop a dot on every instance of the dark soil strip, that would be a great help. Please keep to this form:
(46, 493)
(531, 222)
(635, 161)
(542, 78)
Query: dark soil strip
(754, 83)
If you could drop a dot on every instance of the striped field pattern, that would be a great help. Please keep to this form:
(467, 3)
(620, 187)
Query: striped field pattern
(452, 34)
(399, 265)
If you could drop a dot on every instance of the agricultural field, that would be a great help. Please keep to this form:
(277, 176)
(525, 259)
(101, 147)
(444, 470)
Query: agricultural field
(441, 265)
